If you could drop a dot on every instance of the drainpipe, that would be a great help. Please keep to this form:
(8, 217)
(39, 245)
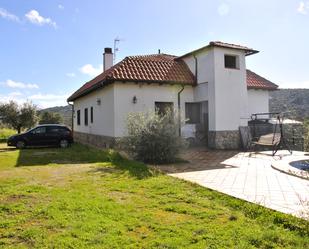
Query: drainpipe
(179, 109)
(196, 64)
(72, 115)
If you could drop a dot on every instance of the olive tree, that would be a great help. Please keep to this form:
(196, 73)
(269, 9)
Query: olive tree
(152, 137)
(17, 116)
(50, 118)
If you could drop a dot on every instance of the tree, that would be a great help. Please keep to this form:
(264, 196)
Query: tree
(50, 118)
(17, 116)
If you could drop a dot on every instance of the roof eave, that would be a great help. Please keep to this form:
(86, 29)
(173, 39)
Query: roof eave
(247, 51)
(106, 82)
(263, 88)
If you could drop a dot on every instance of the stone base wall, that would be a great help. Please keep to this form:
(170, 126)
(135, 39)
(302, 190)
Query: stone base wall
(94, 140)
(224, 140)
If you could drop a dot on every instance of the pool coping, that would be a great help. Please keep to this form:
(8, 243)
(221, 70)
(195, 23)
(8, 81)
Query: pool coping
(283, 165)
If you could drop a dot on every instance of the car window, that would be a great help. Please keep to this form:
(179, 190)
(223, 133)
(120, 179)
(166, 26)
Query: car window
(53, 130)
(65, 130)
(39, 130)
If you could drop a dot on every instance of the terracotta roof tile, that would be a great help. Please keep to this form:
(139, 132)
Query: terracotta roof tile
(255, 81)
(234, 46)
(160, 68)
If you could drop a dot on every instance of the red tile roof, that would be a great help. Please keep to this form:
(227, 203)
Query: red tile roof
(247, 50)
(255, 81)
(161, 68)
(158, 68)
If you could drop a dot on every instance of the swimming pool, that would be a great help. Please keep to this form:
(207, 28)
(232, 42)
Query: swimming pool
(302, 164)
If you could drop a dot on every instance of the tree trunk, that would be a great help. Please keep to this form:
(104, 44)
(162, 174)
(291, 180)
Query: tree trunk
(18, 130)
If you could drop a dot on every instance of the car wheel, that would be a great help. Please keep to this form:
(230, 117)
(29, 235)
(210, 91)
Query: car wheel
(20, 144)
(64, 143)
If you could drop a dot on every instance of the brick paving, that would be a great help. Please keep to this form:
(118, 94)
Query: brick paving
(245, 175)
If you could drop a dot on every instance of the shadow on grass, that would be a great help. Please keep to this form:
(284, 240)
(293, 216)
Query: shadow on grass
(135, 169)
(7, 149)
(81, 154)
(75, 154)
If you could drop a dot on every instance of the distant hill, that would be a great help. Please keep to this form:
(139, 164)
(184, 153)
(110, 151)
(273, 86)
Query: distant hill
(295, 101)
(64, 111)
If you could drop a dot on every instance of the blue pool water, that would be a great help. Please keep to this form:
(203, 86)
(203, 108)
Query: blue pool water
(303, 164)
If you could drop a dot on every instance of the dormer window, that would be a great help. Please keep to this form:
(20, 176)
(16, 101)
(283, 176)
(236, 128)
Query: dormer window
(231, 61)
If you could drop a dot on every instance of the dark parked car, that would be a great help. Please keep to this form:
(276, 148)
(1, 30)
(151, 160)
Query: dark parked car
(43, 135)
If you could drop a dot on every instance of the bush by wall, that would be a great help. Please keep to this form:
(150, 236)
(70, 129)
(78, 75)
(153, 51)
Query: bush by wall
(152, 138)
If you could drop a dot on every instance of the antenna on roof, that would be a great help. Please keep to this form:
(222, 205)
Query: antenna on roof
(116, 48)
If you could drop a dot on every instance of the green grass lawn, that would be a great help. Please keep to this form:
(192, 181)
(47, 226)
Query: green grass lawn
(5, 133)
(86, 198)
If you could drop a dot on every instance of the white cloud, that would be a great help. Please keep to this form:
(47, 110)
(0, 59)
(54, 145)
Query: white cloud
(49, 100)
(7, 15)
(91, 70)
(61, 7)
(21, 85)
(15, 94)
(40, 100)
(297, 84)
(303, 8)
(223, 9)
(34, 17)
(70, 75)
(40, 96)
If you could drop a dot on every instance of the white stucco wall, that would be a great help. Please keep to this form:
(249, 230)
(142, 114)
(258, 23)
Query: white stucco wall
(147, 95)
(230, 92)
(229, 104)
(224, 89)
(258, 101)
(103, 115)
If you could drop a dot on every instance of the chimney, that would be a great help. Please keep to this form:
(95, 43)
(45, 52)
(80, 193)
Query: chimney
(107, 58)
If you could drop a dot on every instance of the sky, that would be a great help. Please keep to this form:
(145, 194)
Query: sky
(48, 49)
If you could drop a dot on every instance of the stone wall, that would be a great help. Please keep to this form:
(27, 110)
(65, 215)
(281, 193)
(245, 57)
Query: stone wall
(294, 135)
(224, 140)
(94, 140)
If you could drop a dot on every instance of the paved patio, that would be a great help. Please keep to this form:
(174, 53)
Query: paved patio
(248, 176)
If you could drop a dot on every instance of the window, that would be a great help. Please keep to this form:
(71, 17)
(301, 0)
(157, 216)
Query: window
(91, 114)
(78, 117)
(193, 113)
(231, 61)
(39, 130)
(86, 116)
(163, 107)
(53, 129)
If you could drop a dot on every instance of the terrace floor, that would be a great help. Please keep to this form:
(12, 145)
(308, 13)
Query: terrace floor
(247, 176)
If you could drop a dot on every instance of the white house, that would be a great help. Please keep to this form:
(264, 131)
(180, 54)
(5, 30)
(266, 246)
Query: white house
(210, 86)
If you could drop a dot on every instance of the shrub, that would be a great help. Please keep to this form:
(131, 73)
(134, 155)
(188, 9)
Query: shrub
(152, 137)
(50, 118)
(5, 133)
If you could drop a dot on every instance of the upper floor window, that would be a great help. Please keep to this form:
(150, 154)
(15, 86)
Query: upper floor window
(231, 61)
(78, 117)
(86, 116)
